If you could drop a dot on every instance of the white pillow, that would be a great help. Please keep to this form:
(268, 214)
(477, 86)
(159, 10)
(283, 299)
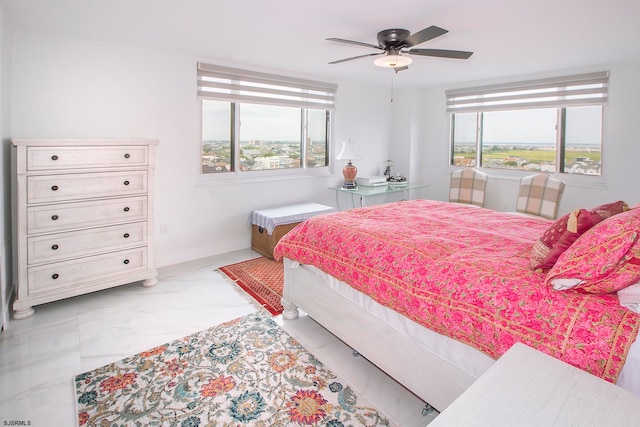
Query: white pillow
(629, 297)
(564, 284)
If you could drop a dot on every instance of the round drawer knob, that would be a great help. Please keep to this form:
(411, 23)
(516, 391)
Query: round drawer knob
(126, 183)
(126, 209)
(127, 155)
(126, 235)
(54, 157)
(54, 247)
(54, 217)
(126, 261)
(54, 276)
(54, 188)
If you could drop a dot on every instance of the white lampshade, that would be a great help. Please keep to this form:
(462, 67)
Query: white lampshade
(393, 61)
(348, 152)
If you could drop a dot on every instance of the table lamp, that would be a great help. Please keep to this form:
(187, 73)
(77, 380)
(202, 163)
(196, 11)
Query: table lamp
(349, 171)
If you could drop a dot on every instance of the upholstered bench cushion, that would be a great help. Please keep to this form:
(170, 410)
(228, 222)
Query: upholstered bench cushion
(268, 226)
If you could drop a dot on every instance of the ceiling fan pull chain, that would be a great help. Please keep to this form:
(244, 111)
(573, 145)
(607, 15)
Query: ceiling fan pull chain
(392, 77)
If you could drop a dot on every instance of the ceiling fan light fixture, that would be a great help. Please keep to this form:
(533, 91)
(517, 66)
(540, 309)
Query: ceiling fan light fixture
(393, 61)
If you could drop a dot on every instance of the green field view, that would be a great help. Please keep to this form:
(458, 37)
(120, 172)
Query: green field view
(534, 156)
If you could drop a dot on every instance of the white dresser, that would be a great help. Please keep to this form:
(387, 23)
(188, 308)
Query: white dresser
(82, 217)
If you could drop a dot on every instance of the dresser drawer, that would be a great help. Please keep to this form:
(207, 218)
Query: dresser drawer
(60, 246)
(51, 277)
(66, 216)
(53, 188)
(51, 158)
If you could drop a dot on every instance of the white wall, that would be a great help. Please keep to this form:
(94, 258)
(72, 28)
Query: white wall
(5, 161)
(427, 143)
(64, 87)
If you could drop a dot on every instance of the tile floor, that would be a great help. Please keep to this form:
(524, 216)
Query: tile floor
(40, 355)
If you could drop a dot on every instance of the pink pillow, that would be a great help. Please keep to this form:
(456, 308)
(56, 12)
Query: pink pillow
(604, 259)
(560, 236)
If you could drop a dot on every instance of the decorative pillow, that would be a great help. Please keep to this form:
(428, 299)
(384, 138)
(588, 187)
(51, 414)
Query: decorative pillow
(566, 230)
(610, 209)
(560, 236)
(604, 259)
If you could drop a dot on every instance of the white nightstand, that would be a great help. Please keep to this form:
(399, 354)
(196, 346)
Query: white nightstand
(528, 388)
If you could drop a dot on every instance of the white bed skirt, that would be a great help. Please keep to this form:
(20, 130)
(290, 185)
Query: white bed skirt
(434, 367)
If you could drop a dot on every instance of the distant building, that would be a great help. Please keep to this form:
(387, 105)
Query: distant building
(464, 161)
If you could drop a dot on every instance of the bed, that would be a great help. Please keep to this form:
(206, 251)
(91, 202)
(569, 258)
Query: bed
(434, 292)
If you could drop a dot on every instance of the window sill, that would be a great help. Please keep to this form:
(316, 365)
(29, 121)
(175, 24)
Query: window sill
(232, 178)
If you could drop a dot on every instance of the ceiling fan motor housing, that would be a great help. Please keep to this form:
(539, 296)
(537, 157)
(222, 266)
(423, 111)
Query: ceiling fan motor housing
(392, 37)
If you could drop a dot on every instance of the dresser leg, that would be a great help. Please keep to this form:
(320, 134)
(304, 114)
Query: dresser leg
(150, 282)
(24, 313)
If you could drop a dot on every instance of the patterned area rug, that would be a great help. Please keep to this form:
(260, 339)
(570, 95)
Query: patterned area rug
(262, 278)
(244, 372)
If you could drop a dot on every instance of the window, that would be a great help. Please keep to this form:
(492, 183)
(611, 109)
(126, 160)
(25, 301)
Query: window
(256, 122)
(551, 125)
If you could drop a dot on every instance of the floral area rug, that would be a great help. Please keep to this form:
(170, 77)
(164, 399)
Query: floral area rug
(244, 372)
(262, 278)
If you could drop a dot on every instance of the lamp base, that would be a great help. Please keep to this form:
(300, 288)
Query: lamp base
(349, 173)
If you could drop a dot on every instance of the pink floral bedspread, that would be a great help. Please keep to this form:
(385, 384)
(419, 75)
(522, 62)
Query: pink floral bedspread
(464, 272)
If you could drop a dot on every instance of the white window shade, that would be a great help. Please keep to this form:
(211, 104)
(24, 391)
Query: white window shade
(576, 90)
(234, 85)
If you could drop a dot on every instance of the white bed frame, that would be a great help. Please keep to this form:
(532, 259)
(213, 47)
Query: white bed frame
(433, 379)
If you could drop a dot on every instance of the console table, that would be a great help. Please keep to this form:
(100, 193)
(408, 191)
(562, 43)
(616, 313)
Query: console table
(363, 192)
(526, 387)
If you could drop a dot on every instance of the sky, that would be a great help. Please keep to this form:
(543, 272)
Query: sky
(584, 125)
(261, 122)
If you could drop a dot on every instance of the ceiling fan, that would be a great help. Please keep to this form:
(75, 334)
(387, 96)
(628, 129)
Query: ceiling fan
(394, 43)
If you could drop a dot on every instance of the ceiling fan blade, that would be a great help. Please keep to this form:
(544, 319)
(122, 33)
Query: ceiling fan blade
(355, 57)
(333, 39)
(424, 35)
(441, 53)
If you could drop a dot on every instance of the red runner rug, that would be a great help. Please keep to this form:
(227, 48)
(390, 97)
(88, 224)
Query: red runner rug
(262, 278)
